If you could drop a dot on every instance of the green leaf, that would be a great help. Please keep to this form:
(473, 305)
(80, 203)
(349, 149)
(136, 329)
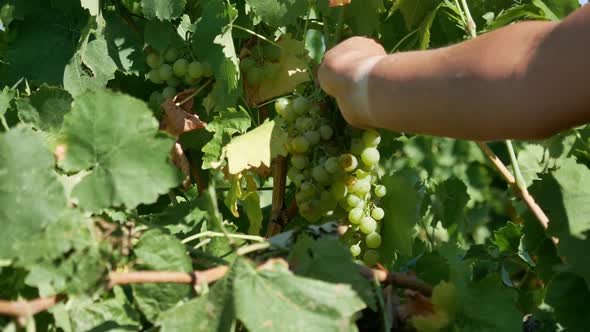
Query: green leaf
(163, 9)
(568, 295)
(45, 108)
(211, 312)
(425, 27)
(115, 136)
(226, 124)
(160, 35)
(269, 140)
(507, 238)
(125, 48)
(158, 251)
(29, 187)
(413, 11)
(278, 13)
(451, 199)
(6, 97)
(525, 11)
(432, 268)
(561, 8)
(402, 212)
(291, 303)
(365, 15)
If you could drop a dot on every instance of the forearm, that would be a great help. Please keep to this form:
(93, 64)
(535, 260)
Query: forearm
(483, 89)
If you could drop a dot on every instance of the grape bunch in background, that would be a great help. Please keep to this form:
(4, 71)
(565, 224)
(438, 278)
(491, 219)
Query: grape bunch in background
(175, 70)
(331, 181)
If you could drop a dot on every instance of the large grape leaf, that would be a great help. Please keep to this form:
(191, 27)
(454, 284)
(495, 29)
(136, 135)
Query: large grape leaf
(568, 295)
(116, 137)
(291, 303)
(156, 250)
(269, 140)
(125, 48)
(365, 15)
(278, 13)
(163, 9)
(561, 8)
(45, 108)
(30, 195)
(451, 199)
(402, 212)
(47, 39)
(224, 125)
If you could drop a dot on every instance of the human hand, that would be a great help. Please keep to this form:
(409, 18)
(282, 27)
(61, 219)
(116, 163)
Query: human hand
(342, 75)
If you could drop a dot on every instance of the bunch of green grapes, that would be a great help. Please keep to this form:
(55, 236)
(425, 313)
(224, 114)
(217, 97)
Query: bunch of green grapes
(262, 65)
(133, 6)
(332, 181)
(175, 70)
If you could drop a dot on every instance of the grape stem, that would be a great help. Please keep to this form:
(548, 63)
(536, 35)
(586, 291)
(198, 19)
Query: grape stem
(23, 310)
(192, 95)
(279, 170)
(218, 234)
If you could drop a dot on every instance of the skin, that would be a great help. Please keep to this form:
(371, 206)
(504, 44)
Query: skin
(527, 81)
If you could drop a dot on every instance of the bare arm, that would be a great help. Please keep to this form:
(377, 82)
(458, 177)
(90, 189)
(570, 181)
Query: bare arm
(526, 81)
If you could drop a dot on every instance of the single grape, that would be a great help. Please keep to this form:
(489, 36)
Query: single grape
(156, 98)
(373, 240)
(348, 162)
(300, 144)
(326, 132)
(165, 72)
(332, 165)
(298, 161)
(254, 76)
(171, 54)
(338, 190)
(154, 60)
(378, 213)
(180, 67)
(298, 179)
(356, 146)
(289, 114)
(353, 200)
(380, 190)
(301, 105)
(370, 156)
(190, 80)
(207, 70)
(168, 92)
(371, 138)
(313, 137)
(371, 257)
(154, 76)
(308, 189)
(368, 225)
(361, 187)
(281, 104)
(195, 69)
(173, 82)
(303, 123)
(355, 216)
(360, 174)
(320, 175)
(355, 250)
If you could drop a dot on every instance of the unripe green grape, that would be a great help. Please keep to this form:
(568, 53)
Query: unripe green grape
(300, 144)
(349, 181)
(338, 190)
(154, 60)
(288, 114)
(310, 210)
(308, 189)
(373, 240)
(371, 138)
(298, 161)
(180, 67)
(380, 191)
(377, 213)
(320, 175)
(190, 80)
(154, 76)
(254, 76)
(353, 200)
(332, 165)
(173, 82)
(195, 69)
(360, 174)
(370, 156)
(171, 54)
(156, 98)
(348, 162)
(271, 52)
(298, 179)
(326, 132)
(313, 137)
(301, 105)
(361, 187)
(356, 146)
(168, 92)
(371, 257)
(303, 123)
(355, 216)
(165, 72)
(355, 250)
(368, 225)
(281, 104)
(328, 202)
(207, 70)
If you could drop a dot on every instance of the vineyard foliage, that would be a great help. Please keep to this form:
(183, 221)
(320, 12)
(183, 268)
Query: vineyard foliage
(190, 135)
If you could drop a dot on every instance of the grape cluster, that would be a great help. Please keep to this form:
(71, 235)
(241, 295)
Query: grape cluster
(331, 181)
(266, 67)
(175, 70)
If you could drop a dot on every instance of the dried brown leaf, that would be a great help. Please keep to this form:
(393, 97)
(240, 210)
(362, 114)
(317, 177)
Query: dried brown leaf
(178, 119)
(179, 159)
(337, 3)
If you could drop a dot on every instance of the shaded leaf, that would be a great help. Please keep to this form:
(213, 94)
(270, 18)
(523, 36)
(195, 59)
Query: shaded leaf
(277, 13)
(163, 9)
